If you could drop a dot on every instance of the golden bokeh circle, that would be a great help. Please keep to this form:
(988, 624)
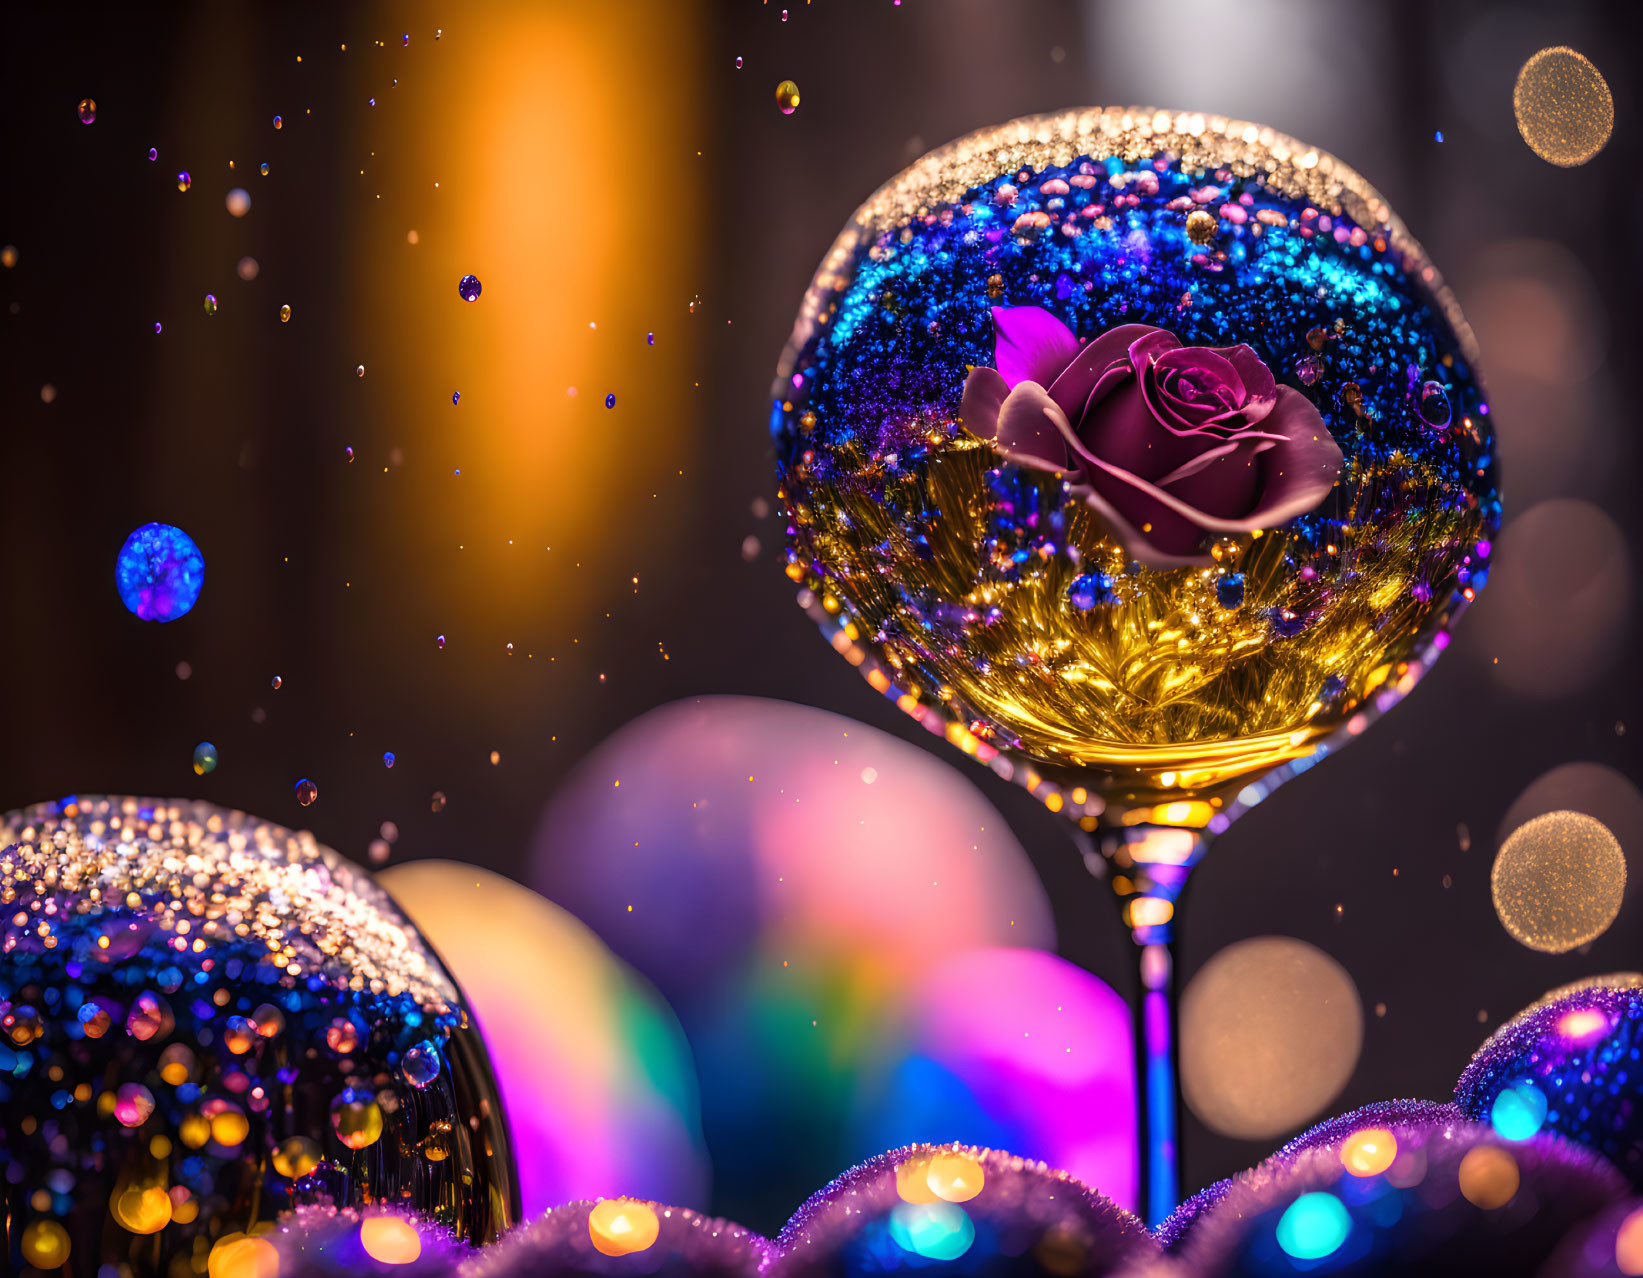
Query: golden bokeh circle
(1270, 1032)
(1564, 109)
(1558, 880)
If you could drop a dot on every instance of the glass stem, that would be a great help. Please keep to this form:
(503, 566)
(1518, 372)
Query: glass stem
(1148, 867)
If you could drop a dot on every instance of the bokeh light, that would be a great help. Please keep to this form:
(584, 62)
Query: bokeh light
(1594, 789)
(1558, 881)
(622, 1226)
(1518, 1112)
(936, 1231)
(390, 1240)
(1270, 1032)
(734, 852)
(595, 1074)
(1369, 1152)
(159, 572)
(1564, 109)
(1628, 1243)
(1315, 1225)
(1488, 1177)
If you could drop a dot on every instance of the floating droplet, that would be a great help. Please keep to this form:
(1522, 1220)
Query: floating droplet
(468, 288)
(238, 201)
(153, 153)
(342, 1036)
(622, 1226)
(348, 452)
(156, 328)
(296, 1156)
(1433, 404)
(738, 64)
(159, 572)
(437, 803)
(378, 851)
(1229, 590)
(610, 401)
(356, 1118)
(184, 181)
(278, 123)
(88, 110)
(210, 303)
(456, 397)
(787, 97)
(275, 683)
(264, 169)
(285, 313)
(247, 268)
(360, 371)
(307, 792)
(420, 1065)
(405, 40)
(205, 758)
(440, 640)
(388, 759)
(46, 1244)
(650, 339)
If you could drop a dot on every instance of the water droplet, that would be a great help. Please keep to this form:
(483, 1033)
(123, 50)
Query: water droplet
(184, 181)
(210, 303)
(1433, 404)
(278, 123)
(738, 64)
(787, 97)
(387, 758)
(510, 650)
(456, 397)
(784, 15)
(275, 683)
(307, 792)
(153, 153)
(285, 313)
(247, 268)
(420, 1064)
(348, 451)
(610, 401)
(437, 803)
(650, 339)
(405, 40)
(378, 851)
(1437, 136)
(360, 371)
(238, 202)
(265, 168)
(1229, 590)
(357, 1118)
(1090, 589)
(205, 758)
(468, 288)
(88, 110)
(156, 327)
(440, 640)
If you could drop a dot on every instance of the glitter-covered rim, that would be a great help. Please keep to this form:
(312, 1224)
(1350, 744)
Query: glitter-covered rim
(1130, 133)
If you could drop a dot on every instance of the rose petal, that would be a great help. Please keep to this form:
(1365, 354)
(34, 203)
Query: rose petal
(1170, 540)
(1122, 429)
(1225, 481)
(1031, 345)
(1216, 373)
(984, 393)
(1032, 429)
(1071, 389)
(1259, 387)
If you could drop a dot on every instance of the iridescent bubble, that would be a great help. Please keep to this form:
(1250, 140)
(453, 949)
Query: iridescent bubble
(456, 397)
(468, 288)
(278, 123)
(610, 401)
(88, 110)
(307, 792)
(153, 153)
(360, 371)
(738, 64)
(1557, 882)
(787, 97)
(184, 181)
(159, 572)
(210, 303)
(285, 313)
(238, 201)
(275, 683)
(205, 758)
(264, 169)
(388, 759)
(420, 1064)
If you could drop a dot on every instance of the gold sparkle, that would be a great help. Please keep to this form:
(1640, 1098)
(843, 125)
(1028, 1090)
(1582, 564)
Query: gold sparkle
(1558, 880)
(1564, 109)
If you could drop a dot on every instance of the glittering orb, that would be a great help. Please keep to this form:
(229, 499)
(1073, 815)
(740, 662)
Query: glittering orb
(1572, 1059)
(1558, 880)
(1270, 1032)
(170, 1060)
(1159, 661)
(1454, 1200)
(596, 1073)
(159, 572)
(1564, 109)
(899, 1212)
(612, 1237)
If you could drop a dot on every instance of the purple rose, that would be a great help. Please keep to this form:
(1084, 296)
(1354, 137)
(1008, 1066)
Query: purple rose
(1173, 444)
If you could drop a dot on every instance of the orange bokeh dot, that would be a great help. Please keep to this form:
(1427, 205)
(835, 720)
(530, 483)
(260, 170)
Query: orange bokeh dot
(1369, 1152)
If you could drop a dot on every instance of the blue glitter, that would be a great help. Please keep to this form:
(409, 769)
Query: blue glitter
(1090, 589)
(1229, 590)
(159, 572)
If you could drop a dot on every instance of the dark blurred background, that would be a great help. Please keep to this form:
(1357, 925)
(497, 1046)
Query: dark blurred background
(609, 172)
